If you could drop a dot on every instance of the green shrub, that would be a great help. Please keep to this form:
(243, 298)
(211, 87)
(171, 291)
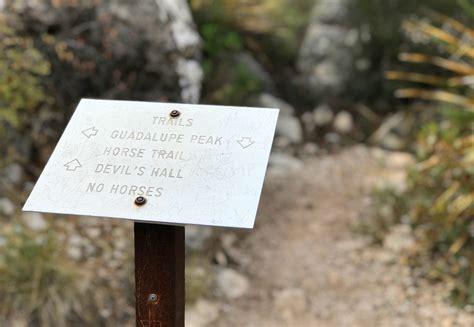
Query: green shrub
(441, 202)
(37, 281)
(440, 194)
(21, 68)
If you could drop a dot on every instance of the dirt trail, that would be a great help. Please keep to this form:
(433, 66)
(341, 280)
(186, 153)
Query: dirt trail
(307, 266)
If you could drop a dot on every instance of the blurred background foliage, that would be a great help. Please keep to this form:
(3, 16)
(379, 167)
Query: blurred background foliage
(22, 89)
(270, 30)
(439, 200)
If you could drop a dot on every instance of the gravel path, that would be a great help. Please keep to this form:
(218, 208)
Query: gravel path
(307, 267)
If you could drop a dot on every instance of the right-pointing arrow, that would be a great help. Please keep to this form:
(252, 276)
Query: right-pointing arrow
(73, 165)
(245, 142)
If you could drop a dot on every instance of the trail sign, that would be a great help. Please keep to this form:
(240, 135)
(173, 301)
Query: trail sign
(192, 164)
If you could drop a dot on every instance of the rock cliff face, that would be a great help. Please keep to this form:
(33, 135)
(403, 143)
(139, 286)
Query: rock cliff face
(329, 50)
(147, 49)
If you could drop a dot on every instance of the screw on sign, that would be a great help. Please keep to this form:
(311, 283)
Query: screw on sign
(161, 192)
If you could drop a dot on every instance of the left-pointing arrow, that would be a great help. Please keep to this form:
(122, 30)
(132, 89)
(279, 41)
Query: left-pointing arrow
(73, 165)
(92, 131)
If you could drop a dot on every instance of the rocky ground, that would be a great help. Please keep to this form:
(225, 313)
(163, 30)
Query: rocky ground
(305, 265)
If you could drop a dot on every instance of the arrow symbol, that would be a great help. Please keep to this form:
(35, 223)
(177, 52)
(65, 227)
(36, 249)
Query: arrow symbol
(73, 165)
(92, 131)
(245, 142)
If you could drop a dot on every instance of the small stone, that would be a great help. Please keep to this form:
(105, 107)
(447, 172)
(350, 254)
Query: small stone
(323, 115)
(392, 141)
(228, 240)
(399, 160)
(74, 249)
(231, 283)
(74, 253)
(308, 121)
(290, 302)
(34, 221)
(343, 122)
(282, 164)
(93, 232)
(14, 173)
(332, 138)
(7, 207)
(3, 241)
(310, 149)
(201, 314)
(400, 239)
(221, 258)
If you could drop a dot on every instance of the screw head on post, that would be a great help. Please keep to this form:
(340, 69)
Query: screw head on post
(152, 297)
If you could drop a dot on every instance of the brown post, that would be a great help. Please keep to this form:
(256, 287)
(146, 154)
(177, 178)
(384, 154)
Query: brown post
(159, 275)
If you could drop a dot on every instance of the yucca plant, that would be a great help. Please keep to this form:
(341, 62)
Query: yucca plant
(455, 85)
(440, 196)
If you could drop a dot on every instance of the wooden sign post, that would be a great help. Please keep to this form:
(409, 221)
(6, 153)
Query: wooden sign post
(159, 275)
(168, 163)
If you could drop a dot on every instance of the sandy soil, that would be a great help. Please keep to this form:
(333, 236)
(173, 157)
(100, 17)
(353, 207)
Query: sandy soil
(308, 267)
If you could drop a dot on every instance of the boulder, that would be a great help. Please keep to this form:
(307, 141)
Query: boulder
(288, 126)
(329, 51)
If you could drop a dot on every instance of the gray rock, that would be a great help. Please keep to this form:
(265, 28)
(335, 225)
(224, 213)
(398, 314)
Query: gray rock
(221, 258)
(197, 237)
(290, 302)
(14, 173)
(329, 49)
(201, 314)
(343, 122)
(268, 100)
(7, 207)
(323, 115)
(392, 141)
(332, 138)
(282, 163)
(34, 221)
(288, 126)
(310, 149)
(231, 284)
(74, 249)
(308, 121)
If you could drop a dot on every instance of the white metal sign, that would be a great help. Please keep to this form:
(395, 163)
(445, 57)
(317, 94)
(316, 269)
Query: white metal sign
(160, 162)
